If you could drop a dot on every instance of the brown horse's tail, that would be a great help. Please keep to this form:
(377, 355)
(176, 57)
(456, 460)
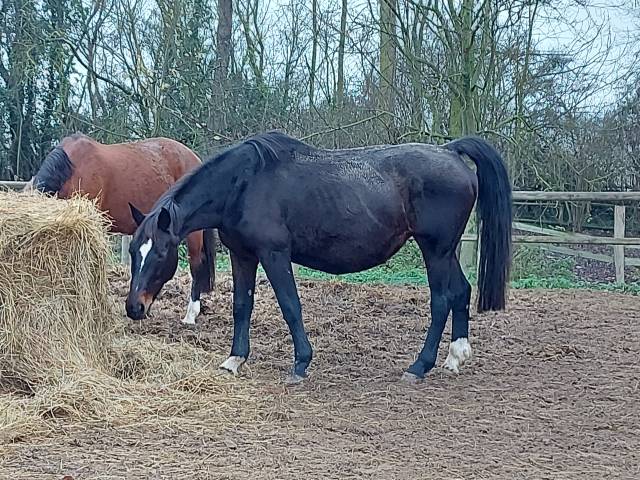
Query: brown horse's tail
(209, 250)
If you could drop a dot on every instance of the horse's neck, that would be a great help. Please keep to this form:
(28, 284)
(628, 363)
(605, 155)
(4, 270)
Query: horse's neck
(202, 199)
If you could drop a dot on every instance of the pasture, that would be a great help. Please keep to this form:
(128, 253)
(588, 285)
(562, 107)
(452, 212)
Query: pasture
(550, 393)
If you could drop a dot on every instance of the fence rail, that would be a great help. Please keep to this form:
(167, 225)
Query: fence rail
(546, 236)
(522, 195)
(518, 195)
(565, 240)
(12, 185)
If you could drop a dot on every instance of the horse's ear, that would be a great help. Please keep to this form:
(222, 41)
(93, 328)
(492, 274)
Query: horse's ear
(164, 220)
(138, 216)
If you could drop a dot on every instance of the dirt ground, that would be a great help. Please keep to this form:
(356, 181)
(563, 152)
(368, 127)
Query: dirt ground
(551, 393)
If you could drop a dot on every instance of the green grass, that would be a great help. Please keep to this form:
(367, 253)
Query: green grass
(222, 261)
(632, 288)
(531, 269)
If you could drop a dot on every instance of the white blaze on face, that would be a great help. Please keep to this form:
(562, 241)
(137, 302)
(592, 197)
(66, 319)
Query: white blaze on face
(145, 248)
(193, 310)
(459, 354)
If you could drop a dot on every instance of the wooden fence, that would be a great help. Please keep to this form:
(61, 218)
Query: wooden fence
(549, 238)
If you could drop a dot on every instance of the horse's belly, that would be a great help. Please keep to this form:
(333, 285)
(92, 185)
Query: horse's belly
(347, 230)
(339, 254)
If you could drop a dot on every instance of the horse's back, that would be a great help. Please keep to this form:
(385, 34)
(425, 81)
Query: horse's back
(136, 172)
(159, 157)
(176, 155)
(414, 169)
(437, 185)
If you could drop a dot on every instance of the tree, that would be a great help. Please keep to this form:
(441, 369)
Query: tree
(339, 95)
(388, 9)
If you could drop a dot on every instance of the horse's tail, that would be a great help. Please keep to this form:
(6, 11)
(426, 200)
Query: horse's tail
(494, 211)
(55, 171)
(209, 250)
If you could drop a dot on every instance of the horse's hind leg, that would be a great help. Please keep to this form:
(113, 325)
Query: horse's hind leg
(439, 271)
(459, 348)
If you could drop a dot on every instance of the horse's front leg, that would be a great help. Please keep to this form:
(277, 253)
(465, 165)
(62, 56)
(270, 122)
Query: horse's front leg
(199, 276)
(244, 283)
(277, 266)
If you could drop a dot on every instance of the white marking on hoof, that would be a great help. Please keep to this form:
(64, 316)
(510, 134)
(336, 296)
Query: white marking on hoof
(410, 378)
(145, 248)
(459, 354)
(233, 364)
(193, 310)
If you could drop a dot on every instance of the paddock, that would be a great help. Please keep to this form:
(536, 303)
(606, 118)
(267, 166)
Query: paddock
(550, 393)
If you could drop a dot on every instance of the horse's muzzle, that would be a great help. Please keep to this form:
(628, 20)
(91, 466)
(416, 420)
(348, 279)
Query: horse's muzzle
(138, 307)
(135, 311)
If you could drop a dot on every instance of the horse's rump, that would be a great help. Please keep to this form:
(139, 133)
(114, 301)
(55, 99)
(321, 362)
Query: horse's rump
(115, 175)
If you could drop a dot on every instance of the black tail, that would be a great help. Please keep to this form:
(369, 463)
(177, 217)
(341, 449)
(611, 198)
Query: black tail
(494, 211)
(209, 249)
(55, 171)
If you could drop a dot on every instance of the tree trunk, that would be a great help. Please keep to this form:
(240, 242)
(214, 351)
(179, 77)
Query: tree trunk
(462, 117)
(314, 52)
(223, 41)
(387, 54)
(341, 43)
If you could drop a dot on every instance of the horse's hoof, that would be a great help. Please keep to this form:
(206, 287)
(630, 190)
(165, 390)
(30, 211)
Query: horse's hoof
(294, 379)
(233, 364)
(451, 368)
(410, 378)
(447, 370)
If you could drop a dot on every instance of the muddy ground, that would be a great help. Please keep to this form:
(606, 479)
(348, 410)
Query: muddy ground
(552, 392)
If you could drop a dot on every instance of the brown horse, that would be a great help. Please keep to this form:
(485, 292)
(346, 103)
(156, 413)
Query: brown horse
(123, 178)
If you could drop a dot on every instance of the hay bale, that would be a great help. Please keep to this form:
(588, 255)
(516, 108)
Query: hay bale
(63, 360)
(56, 314)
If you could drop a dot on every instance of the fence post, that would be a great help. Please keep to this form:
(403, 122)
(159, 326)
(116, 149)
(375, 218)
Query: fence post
(125, 240)
(618, 250)
(468, 250)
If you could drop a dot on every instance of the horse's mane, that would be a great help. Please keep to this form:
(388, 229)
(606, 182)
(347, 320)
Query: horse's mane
(275, 147)
(55, 170)
(270, 149)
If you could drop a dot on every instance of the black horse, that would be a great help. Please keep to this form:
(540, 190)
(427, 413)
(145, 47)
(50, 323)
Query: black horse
(276, 200)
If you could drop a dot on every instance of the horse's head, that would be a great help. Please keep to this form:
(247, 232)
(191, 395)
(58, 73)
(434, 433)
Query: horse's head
(154, 259)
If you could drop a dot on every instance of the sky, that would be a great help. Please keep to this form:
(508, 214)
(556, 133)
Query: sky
(603, 32)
